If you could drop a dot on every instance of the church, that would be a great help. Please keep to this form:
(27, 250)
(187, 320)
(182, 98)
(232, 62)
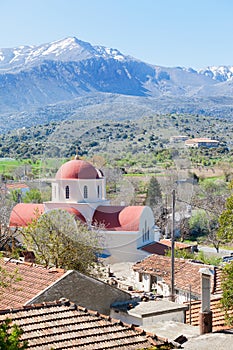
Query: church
(80, 189)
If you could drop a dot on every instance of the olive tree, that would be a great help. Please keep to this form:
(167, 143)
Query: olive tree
(10, 336)
(58, 240)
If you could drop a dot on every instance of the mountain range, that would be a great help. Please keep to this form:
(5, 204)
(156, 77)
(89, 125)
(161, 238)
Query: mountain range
(71, 78)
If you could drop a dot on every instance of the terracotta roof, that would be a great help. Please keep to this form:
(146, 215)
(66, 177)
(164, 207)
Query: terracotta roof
(77, 169)
(218, 316)
(34, 279)
(118, 218)
(16, 186)
(163, 246)
(63, 325)
(156, 248)
(178, 245)
(186, 271)
(23, 213)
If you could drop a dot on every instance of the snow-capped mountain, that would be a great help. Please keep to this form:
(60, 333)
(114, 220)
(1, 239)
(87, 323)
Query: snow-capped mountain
(62, 71)
(221, 73)
(69, 49)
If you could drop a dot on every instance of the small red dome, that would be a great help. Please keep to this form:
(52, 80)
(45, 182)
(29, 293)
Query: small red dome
(77, 169)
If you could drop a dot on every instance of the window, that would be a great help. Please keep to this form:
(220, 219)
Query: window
(98, 191)
(143, 235)
(85, 192)
(67, 192)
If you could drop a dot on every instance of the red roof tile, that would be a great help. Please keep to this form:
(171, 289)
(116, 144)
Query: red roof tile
(118, 218)
(178, 245)
(16, 186)
(218, 315)
(62, 325)
(186, 272)
(34, 279)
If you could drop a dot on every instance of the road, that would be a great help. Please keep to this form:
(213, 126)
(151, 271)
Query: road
(210, 250)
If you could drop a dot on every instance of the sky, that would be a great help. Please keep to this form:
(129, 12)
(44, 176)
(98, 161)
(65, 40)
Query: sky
(170, 33)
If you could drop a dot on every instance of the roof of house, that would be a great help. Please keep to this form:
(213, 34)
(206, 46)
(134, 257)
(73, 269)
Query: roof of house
(218, 315)
(163, 245)
(63, 325)
(178, 245)
(33, 279)
(201, 139)
(186, 272)
(118, 218)
(17, 185)
(77, 169)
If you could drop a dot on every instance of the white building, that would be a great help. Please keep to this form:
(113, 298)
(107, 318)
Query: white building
(80, 189)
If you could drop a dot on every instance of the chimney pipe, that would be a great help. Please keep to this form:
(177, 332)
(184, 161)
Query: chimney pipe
(205, 315)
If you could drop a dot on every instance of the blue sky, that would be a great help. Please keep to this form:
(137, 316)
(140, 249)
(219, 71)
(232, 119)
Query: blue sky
(189, 33)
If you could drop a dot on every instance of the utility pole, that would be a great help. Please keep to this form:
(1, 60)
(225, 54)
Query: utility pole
(173, 247)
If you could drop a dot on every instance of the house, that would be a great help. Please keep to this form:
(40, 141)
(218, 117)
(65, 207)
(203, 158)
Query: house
(154, 273)
(80, 188)
(164, 245)
(38, 284)
(201, 142)
(65, 325)
(147, 313)
(218, 315)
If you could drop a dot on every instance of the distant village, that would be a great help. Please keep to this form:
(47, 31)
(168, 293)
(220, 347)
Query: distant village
(143, 297)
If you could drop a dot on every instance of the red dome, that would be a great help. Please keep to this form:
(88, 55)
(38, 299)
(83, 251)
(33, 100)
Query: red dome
(77, 169)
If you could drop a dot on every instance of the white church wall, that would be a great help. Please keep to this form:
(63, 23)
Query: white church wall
(122, 247)
(70, 191)
(146, 227)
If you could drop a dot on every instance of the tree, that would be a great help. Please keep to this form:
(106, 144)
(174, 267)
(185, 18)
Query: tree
(198, 223)
(227, 289)
(225, 231)
(154, 195)
(10, 336)
(58, 240)
(32, 196)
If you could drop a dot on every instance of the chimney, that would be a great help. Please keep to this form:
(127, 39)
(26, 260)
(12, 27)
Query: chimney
(205, 315)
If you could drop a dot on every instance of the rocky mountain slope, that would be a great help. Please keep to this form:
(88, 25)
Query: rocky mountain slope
(73, 79)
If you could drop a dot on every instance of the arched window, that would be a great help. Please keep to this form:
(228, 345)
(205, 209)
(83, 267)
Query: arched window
(67, 192)
(85, 192)
(143, 235)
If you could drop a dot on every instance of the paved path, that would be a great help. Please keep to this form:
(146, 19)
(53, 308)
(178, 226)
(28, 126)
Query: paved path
(222, 252)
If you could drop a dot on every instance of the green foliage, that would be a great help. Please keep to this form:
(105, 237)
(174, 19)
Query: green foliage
(225, 231)
(154, 193)
(58, 240)
(7, 279)
(198, 223)
(10, 336)
(227, 288)
(200, 256)
(32, 196)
